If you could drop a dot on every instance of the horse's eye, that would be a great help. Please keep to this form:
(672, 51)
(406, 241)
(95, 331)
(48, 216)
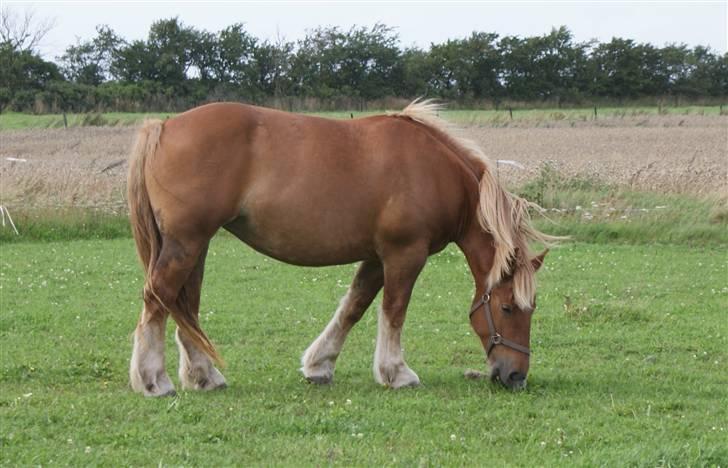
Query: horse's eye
(506, 308)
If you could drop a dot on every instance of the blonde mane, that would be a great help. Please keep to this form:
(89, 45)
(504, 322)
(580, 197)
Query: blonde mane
(500, 213)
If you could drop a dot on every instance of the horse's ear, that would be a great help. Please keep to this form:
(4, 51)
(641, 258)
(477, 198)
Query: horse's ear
(537, 261)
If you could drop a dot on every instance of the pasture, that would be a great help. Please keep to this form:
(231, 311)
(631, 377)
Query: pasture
(629, 339)
(501, 117)
(649, 178)
(629, 365)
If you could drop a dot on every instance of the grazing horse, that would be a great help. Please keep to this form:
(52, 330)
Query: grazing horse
(386, 191)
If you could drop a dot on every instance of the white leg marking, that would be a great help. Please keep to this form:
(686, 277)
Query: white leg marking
(146, 371)
(319, 359)
(389, 366)
(196, 371)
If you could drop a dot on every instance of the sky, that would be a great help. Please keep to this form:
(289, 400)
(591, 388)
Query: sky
(417, 23)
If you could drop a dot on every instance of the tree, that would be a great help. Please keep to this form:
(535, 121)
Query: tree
(558, 61)
(133, 63)
(80, 64)
(625, 69)
(447, 70)
(22, 74)
(178, 66)
(708, 73)
(234, 56)
(24, 33)
(22, 71)
(485, 63)
(415, 71)
(171, 47)
(360, 63)
(370, 61)
(466, 68)
(544, 67)
(273, 66)
(517, 72)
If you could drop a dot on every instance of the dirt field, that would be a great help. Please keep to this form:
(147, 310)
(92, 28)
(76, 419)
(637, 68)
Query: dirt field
(665, 154)
(684, 154)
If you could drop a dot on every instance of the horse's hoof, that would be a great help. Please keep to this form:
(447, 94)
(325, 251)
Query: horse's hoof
(399, 376)
(168, 393)
(474, 374)
(215, 388)
(405, 380)
(320, 379)
(408, 384)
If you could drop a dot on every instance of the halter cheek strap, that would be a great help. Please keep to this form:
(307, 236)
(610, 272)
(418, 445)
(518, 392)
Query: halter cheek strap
(495, 338)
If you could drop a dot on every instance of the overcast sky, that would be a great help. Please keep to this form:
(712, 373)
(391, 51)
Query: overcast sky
(418, 23)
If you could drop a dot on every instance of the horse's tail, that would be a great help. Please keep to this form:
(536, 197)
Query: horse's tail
(149, 239)
(143, 225)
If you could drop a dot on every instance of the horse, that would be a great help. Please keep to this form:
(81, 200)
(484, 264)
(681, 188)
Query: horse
(387, 191)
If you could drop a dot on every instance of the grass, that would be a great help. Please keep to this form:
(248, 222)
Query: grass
(490, 117)
(16, 121)
(589, 210)
(19, 121)
(630, 348)
(65, 223)
(630, 345)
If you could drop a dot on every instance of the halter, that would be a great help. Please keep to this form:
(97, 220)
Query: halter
(495, 338)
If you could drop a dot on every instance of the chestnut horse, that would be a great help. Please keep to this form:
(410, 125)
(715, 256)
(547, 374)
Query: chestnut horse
(386, 191)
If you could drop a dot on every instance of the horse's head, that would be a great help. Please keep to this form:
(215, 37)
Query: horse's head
(504, 329)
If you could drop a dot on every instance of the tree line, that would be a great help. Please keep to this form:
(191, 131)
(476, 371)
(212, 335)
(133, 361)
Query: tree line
(178, 66)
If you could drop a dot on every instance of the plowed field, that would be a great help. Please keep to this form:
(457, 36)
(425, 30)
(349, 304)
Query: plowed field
(674, 154)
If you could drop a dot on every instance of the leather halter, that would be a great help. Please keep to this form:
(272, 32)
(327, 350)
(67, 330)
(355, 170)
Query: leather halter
(495, 338)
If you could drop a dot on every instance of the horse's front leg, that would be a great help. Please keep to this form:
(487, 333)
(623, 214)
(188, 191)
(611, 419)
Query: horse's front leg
(400, 274)
(319, 360)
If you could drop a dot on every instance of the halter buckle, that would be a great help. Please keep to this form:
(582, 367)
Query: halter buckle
(496, 339)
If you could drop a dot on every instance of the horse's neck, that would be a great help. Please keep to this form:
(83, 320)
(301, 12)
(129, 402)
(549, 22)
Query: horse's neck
(477, 246)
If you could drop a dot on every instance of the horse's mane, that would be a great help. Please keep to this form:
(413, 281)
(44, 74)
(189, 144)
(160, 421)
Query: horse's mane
(502, 214)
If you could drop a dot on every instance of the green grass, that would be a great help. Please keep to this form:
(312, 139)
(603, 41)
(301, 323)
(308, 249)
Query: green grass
(586, 210)
(489, 117)
(592, 211)
(64, 224)
(15, 121)
(630, 349)
(19, 121)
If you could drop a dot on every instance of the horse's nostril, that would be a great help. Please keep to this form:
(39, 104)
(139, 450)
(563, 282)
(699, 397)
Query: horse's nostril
(517, 377)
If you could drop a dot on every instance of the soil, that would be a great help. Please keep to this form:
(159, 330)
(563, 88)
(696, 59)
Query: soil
(86, 167)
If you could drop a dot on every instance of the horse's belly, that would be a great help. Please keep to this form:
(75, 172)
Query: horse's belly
(302, 240)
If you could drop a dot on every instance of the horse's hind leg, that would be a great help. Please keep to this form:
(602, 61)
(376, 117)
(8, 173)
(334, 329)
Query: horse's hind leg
(320, 358)
(196, 370)
(147, 371)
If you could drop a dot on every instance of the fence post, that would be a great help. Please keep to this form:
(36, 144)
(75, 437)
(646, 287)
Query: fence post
(595, 112)
(510, 112)
(65, 120)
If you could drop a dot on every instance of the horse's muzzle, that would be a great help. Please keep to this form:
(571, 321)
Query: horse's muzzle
(513, 380)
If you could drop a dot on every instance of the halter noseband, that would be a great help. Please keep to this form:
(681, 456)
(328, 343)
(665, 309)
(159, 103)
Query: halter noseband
(495, 338)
